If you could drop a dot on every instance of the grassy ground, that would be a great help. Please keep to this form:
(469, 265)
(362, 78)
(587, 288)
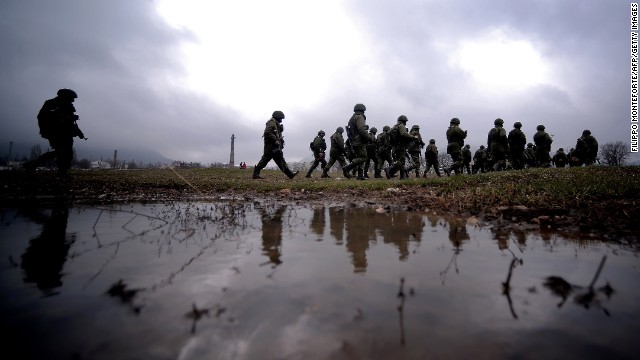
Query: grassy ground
(592, 198)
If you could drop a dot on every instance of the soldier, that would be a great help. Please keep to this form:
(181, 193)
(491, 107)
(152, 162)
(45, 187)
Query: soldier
(273, 145)
(415, 150)
(573, 158)
(587, 148)
(455, 139)
(480, 160)
(530, 156)
(517, 142)
(400, 140)
(466, 159)
(358, 138)
(57, 122)
(318, 146)
(383, 144)
(560, 159)
(543, 145)
(372, 153)
(431, 158)
(336, 153)
(497, 144)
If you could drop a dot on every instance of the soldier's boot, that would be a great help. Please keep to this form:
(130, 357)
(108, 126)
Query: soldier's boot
(447, 171)
(377, 174)
(309, 173)
(256, 173)
(438, 172)
(345, 171)
(324, 174)
(290, 174)
(424, 174)
(360, 175)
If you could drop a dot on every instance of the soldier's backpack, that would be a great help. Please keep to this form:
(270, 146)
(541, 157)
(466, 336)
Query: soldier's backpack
(394, 135)
(311, 146)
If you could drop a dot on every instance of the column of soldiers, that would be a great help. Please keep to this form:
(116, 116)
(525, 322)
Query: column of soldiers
(397, 150)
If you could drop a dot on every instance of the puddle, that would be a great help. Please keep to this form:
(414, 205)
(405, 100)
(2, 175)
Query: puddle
(254, 281)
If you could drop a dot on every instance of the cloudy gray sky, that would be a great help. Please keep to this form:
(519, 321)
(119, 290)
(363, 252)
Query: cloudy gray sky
(181, 76)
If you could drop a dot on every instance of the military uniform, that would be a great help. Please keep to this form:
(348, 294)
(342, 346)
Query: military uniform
(530, 156)
(404, 139)
(273, 145)
(497, 144)
(560, 158)
(466, 158)
(543, 145)
(480, 160)
(319, 147)
(57, 122)
(336, 152)
(517, 143)
(383, 144)
(415, 149)
(372, 153)
(431, 158)
(587, 148)
(455, 139)
(358, 138)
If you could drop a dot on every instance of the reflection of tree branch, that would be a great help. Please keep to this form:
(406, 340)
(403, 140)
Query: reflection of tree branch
(506, 287)
(102, 268)
(401, 311)
(454, 261)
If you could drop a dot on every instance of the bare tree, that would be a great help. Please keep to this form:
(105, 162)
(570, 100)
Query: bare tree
(614, 153)
(444, 159)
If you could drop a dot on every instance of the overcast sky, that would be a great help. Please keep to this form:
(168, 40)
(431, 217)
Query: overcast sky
(181, 76)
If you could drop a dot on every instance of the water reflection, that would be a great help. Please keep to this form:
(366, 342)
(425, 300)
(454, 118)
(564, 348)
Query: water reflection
(318, 221)
(44, 258)
(271, 217)
(360, 229)
(336, 223)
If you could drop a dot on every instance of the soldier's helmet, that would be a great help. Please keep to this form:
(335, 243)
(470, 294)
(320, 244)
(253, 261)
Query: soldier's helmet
(321, 133)
(403, 119)
(67, 93)
(561, 149)
(529, 145)
(540, 127)
(366, 127)
(386, 128)
(586, 133)
(517, 125)
(432, 141)
(359, 107)
(481, 147)
(455, 121)
(415, 127)
(498, 121)
(373, 130)
(278, 115)
(468, 146)
(340, 130)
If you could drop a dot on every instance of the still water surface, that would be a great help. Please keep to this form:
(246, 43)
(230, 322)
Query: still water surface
(273, 281)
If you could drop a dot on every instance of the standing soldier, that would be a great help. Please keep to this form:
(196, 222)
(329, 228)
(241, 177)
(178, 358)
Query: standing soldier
(480, 160)
(359, 137)
(372, 153)
(517, 142)
(431, 158)
(318, 146)
(543, 145)
(415, 149)
(336, 153)
(530, 156)
(273, 145)
(497, 143)
(400, 140)
(383, 143)
(455, 139)
(560, 159)
(466, 159)
(587, 148)
(57, 122)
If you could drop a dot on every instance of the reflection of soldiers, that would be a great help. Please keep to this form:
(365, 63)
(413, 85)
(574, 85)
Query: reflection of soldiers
(317, 221)
(359, 138)
(273, 145)
(272, 234)
(455, 139)
(431, 158)
(46, 254)
(318, 146)
(400, 228)
(336, 153)
(359, 230)
(543, 145)
(336, 220)
(458, 232)
(57, 123)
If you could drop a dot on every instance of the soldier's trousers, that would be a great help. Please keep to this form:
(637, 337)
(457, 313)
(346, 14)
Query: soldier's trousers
(62, 152)
(359, 156)
(272, 152)
(400, 157)
(333, 157)
(319, 159)
(371, 158)
(435, 164)
(384, 156)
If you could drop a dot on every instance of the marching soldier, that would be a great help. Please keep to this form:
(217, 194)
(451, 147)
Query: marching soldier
(517, 142)
(273, 145)
(431, 158)
(358, 138)
(336, 152)
(455, 139)
(543, 146)
(318, 146)
(384, 150)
